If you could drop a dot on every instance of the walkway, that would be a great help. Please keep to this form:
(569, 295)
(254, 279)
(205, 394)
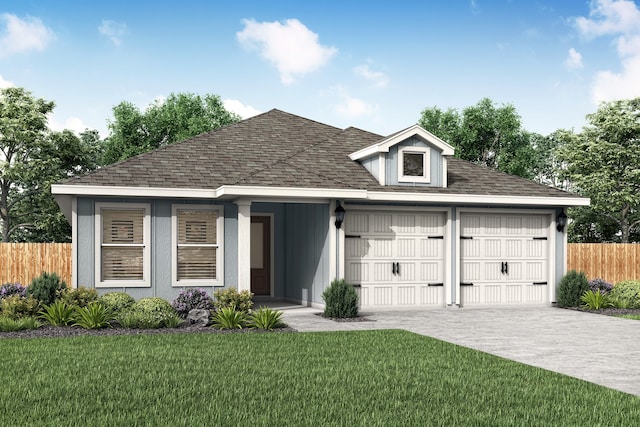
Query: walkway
(596, 348)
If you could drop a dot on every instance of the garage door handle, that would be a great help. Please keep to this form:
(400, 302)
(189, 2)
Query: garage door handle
(393, 268)
(506, 268)
(502, 267)
(398, 267)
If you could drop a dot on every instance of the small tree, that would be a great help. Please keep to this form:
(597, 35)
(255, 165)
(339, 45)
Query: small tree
(340, 300)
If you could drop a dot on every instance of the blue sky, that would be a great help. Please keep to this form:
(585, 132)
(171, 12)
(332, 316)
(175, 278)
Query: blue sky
(372, 65)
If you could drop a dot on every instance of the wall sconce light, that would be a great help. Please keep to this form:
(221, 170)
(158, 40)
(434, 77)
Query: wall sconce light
(339, 215)
(561, 221)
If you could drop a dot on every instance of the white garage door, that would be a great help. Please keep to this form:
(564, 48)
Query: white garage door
(504, 259)
(396, 258)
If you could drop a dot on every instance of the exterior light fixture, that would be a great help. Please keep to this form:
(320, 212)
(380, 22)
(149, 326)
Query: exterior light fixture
(561, 221)
(339, 215)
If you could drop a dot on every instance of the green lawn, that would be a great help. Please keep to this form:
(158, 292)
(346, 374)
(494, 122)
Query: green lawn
(629, 316)
(368, 378)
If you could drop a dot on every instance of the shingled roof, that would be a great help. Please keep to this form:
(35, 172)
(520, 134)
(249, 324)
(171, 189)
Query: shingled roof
(278, 149)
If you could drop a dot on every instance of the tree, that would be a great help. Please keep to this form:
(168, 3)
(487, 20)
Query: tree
(485, 134)
(179, 117)
(31, 158)
(23, 125)
(603, 162)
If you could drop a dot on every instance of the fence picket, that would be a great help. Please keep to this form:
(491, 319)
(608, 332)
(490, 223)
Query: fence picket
(22, 262)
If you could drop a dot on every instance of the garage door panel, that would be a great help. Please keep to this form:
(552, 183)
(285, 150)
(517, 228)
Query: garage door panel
(491, 242)
(413, 242)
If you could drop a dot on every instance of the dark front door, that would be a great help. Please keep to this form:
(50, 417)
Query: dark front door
(261, 255)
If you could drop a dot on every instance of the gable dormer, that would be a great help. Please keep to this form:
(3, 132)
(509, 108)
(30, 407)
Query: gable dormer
(411, 157)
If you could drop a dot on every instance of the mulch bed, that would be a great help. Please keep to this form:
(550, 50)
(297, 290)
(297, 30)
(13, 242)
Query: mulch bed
(48, 331)
(347, 319)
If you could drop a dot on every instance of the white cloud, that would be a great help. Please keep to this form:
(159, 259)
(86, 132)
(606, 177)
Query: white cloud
(244, 111)
(574, 60)
(5, 83)
(350, 106)
(113, 30)
(21, 35)
(620, 18)
(290, 46)
(74, 124)
(378, 78)
(609, 17)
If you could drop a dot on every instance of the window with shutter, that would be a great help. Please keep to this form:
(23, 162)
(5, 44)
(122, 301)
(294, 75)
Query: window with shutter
(123, 235)
(197, 251)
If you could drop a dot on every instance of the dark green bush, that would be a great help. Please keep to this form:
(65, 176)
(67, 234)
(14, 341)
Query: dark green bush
(340, 300)
(626, 294)
(80, 297)
(571, 288)
(47, 288)
(230, 297)
(118, 302)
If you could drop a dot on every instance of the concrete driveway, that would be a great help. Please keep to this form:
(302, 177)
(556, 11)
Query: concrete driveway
(600, 349)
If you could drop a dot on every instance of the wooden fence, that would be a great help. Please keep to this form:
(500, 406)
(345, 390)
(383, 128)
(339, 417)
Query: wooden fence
(22, 262)
(612, 262)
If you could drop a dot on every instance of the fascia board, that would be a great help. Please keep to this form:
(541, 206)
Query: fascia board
(476, 199)
(119, 191)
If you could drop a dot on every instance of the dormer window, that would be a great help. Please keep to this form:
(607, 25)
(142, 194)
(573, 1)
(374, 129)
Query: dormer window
(413, 164)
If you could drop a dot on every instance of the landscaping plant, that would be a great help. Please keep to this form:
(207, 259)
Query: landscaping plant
(46, 288)
(595, 300)
(571, 287)
(16, 306)
(150, 311)
(600, 285)
(9, 289)
(230, 297)
(626, 294)
(80, 297)
(139, 320)
(58, 313)
(93, 316)
(8, 324)
(265, 318)
(340, 300)
(229, 318)
(117, 302)
(190, 299)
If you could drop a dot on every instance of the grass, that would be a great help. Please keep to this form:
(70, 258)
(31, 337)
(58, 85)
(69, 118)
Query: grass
(364, 378)
(629, 316)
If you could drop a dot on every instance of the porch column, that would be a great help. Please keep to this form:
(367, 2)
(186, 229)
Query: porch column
(244, 245)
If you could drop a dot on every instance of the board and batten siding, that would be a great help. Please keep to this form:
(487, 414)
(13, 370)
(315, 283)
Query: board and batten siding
(435, 167)
(307, 252)
(161, 244)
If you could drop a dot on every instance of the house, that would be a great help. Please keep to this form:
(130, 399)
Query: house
(258, 205)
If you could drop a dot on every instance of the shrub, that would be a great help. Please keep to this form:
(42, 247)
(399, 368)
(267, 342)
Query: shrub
(80, 297)
(229, 318)
(118, 302)
(340, 300)
(230, 297)
(172, 321)
(595, 300)
(58, 313)
(46, 288)
(8, 324)
(139, 320)
(190, 299)
(93, 316)
(571, 287)
(155, 307)
(600, 285)
(627, 294)
(17, 307)
(265, 318)
(9, 289)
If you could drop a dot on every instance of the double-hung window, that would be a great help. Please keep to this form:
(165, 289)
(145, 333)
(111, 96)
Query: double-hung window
(123, 244)
(197, 232)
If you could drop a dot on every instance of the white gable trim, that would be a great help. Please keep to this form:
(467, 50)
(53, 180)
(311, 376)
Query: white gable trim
(415, 130)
